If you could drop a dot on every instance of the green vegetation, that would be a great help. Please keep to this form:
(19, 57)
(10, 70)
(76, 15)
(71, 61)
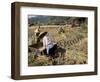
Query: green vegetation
(54, 20)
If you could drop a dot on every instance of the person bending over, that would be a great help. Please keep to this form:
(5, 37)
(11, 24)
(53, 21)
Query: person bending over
(48, 44)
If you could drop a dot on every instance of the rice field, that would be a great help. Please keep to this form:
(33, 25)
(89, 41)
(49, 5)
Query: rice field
(72, 46)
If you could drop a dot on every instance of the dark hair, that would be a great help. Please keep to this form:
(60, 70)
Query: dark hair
(45, 33)
(42, 35)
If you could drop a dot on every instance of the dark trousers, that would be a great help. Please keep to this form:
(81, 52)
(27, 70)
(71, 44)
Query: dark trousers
(51, 51)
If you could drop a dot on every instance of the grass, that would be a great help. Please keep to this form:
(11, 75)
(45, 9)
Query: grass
(73, 41)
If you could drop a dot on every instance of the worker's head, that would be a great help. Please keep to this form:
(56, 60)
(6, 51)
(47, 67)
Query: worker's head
(37, 30)
(45, 33)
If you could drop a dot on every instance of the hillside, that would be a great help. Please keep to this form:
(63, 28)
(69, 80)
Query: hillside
(54, 20)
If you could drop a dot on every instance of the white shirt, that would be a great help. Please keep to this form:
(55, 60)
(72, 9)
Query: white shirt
(47, 41)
